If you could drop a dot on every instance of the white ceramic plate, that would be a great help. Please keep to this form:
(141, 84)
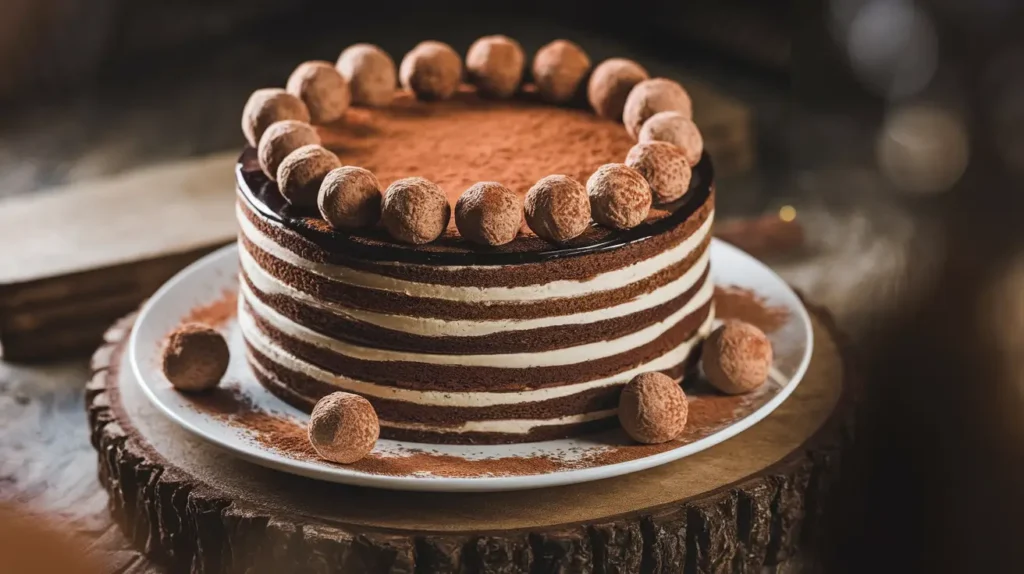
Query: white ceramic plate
(209, 279)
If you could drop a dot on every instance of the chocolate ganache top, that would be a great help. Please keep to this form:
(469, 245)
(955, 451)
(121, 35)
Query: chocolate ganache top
(456, 143)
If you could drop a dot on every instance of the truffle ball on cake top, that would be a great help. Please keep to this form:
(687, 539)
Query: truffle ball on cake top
(610, 84)
(677, 129)
(266, 106)
(653, 408)
(370, 73)
(665, 168)
(343, 427)
(650, 97)
(558, 70)
(494, 65)
(557, 208)
(489, 213)
(432, 70)
(620, 197)
(415, 210)
(322, 88)
(302, 172)
(195, 358)
(350, 198)
(737, 357)
(281, 139)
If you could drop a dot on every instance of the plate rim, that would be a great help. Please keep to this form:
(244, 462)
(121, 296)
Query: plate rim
(266, 458)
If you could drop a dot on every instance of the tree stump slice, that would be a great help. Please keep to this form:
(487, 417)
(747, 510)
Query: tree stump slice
(757, 500)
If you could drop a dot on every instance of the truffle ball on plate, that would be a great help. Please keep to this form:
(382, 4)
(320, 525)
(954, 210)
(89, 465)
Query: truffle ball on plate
(432, 70)
(489, 213)
(558, 70)
(195, 358)
(653, 408)
(495, 65)
(370, 73)
(343, 427)
(610, 84)
(266, 106)
(415, 210)
(281, 139)
(350, 198)
(619, 196)
(300, 174)
(665, 168)
(322, 88)
(650, 97)
(557, 208)
(737, 357)
(677, 129)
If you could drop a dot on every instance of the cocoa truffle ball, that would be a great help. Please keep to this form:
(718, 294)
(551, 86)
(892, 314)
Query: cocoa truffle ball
(558, 70)
(619, 196)
(432, 70)
(300, 174)
(653, 408)
(281, 139)
(266, 106)
(676, 129)
(370, 73)
(489, 213)
(557, 208)
(495, 65)
(195, 358)
(737, 357)
(343, 427)
(322, 88)
(610, 84)
(415, 210)
(665, 168)
(650, 97)
(350, 198)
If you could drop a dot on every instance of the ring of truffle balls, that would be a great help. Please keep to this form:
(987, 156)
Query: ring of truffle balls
(655, 111)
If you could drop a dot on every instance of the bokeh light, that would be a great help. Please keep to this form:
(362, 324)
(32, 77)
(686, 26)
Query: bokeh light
(891, 44)
(922, 148)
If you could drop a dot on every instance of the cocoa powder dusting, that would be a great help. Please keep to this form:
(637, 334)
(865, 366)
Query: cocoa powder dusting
(217, 313)
(709, 412)
(733, 302)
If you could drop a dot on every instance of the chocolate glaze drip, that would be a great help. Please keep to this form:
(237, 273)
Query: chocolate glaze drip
(375, 245)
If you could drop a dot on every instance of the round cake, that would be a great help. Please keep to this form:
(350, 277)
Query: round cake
(456, 342)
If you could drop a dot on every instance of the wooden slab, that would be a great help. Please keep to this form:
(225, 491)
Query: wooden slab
(752, 501)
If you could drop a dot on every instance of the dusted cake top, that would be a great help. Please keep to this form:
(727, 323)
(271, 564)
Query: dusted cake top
(456, 143)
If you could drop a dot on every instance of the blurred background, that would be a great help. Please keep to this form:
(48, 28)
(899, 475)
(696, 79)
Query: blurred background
(891, 132)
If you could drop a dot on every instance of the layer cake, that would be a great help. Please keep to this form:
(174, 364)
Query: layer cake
(457, 343)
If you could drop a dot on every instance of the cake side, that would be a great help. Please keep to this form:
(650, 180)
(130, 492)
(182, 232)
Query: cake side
(450, 362)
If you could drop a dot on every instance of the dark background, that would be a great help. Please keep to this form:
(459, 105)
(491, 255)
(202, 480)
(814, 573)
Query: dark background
(936, 478)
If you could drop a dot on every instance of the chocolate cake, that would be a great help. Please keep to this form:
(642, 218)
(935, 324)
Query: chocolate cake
(456, 342)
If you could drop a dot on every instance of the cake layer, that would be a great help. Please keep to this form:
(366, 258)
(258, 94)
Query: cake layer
(461, 373)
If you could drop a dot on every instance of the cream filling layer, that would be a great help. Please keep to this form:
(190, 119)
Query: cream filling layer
(510, 426)
(432, 327)
(554, 357)
(554, 289)
(288, 361)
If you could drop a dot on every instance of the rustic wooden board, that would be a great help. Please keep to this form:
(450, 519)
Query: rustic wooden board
(750, 502)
